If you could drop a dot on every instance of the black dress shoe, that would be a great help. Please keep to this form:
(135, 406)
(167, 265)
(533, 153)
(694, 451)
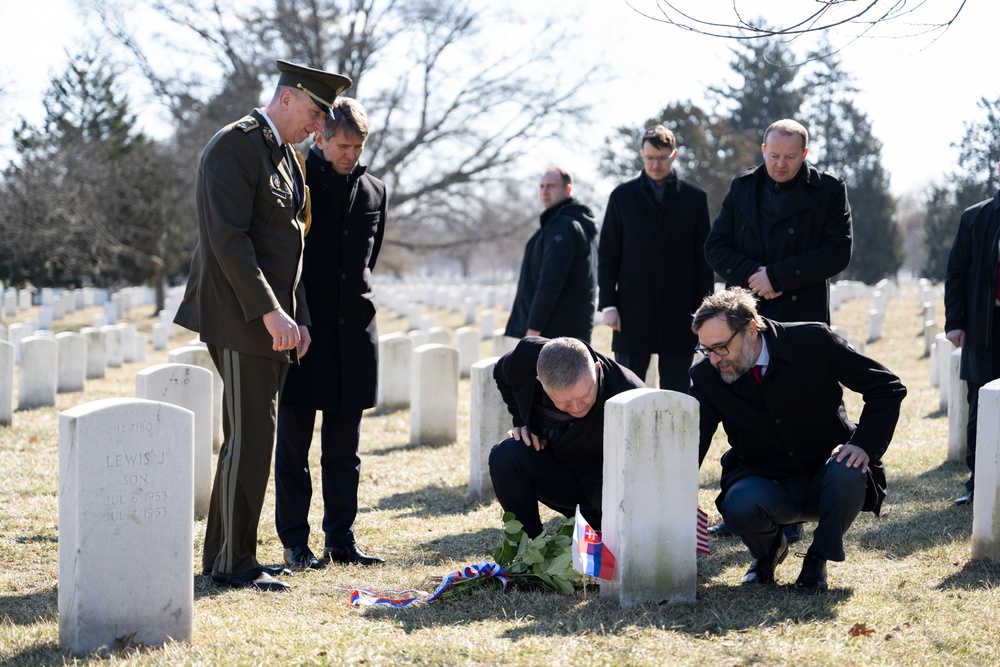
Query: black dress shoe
(720, 530)
(812, 579)
(350, 553)
(762, 570)
(301, 556)
(257, 579)
(280, 571)
(964, 500)
(793, 532)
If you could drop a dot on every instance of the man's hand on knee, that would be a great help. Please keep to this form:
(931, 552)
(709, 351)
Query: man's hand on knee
(523, 434)
(854, 455)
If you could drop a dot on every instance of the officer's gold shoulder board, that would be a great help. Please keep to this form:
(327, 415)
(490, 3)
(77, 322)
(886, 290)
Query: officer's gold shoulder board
(247, 123)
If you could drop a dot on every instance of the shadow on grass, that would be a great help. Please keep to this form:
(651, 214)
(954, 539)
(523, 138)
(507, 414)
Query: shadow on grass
(40, 655)
(464, 547)
(31, 608)
(974, 575)
(432, 500)
(407, 447)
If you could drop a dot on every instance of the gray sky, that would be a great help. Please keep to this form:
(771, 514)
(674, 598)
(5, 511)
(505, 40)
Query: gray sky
(917, 92)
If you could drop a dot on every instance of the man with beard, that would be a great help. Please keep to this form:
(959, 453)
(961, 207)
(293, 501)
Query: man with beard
(794, 454)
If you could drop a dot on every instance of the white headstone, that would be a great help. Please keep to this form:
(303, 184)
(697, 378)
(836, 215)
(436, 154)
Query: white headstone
(930, 331)
(434, 395)
(189, 387)
(467, 341)
(653, 372)
(160, 336)
(10, 304)
(502, 343)
(438, 336)
(650, 497)
(986, 504)
(100, 320)
(418, 336)
(128, 332)
(198, 355)
(113, 345)
(39, 372)
(126, 538)
(942, 359)
(97, 352)
(6, 383)
(486, 323)
(875, 324)
(489, 422)
(24, 299)
(395, 351)
(958, 410)
(72, 361)
(141, 342)
(15, 332)
(45, 317)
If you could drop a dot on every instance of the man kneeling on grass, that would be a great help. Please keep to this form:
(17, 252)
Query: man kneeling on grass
(794, 454)
(555, 390)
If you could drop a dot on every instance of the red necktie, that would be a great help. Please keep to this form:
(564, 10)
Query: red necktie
(756, 372)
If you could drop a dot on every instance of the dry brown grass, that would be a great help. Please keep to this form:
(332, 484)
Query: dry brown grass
(907, 578)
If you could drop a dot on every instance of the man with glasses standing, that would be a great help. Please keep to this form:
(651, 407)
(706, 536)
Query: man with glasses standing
(972, 310)
(794, 453)
(651, 266)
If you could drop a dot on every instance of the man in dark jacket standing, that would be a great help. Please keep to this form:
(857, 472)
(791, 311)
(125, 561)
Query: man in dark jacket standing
(972, 310)
(557, 288)
(245, 299)
(794, 454)
(784, 230)
(555, 390)
(651, 264)
(340, 375)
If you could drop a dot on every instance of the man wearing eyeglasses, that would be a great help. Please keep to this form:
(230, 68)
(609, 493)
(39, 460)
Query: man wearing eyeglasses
(972, 311)
(794, 453)
(784, 230)
(651, 267)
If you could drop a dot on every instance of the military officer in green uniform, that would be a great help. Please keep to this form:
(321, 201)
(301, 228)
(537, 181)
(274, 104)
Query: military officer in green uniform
(245, 299)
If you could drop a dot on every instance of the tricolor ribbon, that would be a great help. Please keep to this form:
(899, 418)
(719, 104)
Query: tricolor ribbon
(362, 597)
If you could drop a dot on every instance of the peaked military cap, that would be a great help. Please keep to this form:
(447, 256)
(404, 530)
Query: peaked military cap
(323, 87)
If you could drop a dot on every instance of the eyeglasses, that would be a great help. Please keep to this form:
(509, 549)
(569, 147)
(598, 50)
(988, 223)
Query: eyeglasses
(648, 159)
(718, 350)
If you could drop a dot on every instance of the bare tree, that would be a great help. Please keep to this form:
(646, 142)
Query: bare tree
(453, 111)
(852, 18)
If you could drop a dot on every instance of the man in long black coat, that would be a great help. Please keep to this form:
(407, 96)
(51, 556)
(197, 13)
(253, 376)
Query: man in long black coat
(340, 375)
(651, 266)
(972, 310)
(557, 287)
(784, 230)
(794, 453)
(555, 391)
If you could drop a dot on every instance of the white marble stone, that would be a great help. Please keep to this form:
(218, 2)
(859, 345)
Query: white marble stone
(24, 299)
(958, 410)
(39, 372)
(650, 497)
(197, 355)
(128, 332)
(113, 345)
(467, 340)
(126, 538)
(160, 336)
(434, 395)
(72, 361)
(502, 343)
(489, 422)
(986, 503)
(99, 320)
(141, 343)
(6, 383)
(487, 323)
(189, 387)
(10, 304)
(418, 336)
(97, 352)
(16, 332)
(930, 332)
(395, 352)
(943, 362)
(875, 318)
(45, 317)
(438, 336)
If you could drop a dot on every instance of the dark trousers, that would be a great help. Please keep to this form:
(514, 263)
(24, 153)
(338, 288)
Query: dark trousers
(523, 477)
(250, 410)
(755, 508)
(673, 368)
(970, 427)
(340, 472)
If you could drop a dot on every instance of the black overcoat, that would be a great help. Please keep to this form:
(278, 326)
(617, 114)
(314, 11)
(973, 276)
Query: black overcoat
(651, 265)
(802, 251)
(581, 447)
(971, 286)
(340, 370)
(787, 426)
(557, 287)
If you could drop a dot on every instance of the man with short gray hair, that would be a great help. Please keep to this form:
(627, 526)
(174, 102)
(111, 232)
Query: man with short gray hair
(555, 391)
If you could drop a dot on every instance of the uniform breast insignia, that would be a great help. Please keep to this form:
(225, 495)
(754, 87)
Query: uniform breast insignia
(247, 123)
(276, 182)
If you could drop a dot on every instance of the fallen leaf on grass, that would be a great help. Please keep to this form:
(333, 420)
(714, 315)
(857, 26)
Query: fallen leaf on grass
(859, 629)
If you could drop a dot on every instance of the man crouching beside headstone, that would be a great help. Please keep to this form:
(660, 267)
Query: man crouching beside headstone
(555, 390)
(794, 454)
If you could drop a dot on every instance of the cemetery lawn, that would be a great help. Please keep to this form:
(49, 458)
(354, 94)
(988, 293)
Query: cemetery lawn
(907, 594)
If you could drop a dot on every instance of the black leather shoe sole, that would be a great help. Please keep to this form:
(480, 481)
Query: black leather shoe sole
(964, 500)
(349, 555)
(257, 580)
(762, 572)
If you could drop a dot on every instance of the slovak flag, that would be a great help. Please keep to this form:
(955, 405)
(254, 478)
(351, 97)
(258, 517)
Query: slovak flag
(590, 556)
